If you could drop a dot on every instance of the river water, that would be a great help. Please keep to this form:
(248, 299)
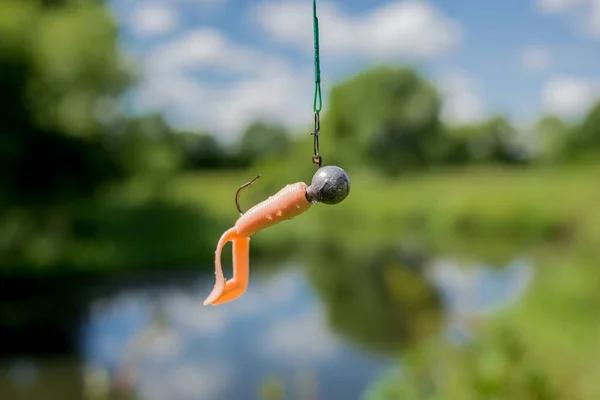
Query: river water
(157, 341)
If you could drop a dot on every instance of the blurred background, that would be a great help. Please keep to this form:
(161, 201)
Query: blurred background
(463, 264)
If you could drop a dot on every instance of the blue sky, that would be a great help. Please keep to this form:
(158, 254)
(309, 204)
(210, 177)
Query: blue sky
(219, 64)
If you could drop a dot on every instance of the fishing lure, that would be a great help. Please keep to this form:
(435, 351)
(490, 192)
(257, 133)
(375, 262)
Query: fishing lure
(330, 185)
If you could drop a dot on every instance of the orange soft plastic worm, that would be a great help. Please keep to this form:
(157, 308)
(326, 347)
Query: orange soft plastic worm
(286, 204)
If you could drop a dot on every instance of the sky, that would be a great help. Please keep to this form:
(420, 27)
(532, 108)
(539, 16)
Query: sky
(218, 65)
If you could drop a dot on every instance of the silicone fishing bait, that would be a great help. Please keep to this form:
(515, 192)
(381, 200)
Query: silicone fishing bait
(330, 185)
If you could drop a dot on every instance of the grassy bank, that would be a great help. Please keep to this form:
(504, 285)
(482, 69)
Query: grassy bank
(478, 211)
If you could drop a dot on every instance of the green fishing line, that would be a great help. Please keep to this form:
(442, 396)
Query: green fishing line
(318, 101)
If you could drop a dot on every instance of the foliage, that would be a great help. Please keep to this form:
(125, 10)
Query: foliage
(586, 141)
(64, 145)
(51, 146)
(544, 347)
(261, 140)
(481, 211)
(148, 147)
(202, 151)
(494, 140)
(551, 140)
(384, 117)
(380, 300)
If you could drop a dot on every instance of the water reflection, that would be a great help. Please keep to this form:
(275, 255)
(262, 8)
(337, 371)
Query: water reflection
(32, 378)
(480, 289)
(285, 335)
(165, 342)
(476, 291)
(382, 300)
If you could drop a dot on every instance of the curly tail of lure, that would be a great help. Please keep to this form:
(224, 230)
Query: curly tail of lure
(330, 185)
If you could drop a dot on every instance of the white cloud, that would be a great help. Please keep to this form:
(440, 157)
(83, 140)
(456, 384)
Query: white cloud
(154, 19)
(569, 96)
(585, 14)
(594, 20)
(556, 6)
(536, 59)
(462, 102)
(410, 28)
(303, 338)
(202, 49)
(275, 94)
(261, 86)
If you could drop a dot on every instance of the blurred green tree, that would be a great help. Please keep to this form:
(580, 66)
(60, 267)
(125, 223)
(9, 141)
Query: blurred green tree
(62, 138)
(380, 300)
(492, 141)
(61, 74)
(585, 140)
(590, 129)
(263, 140)
(386, 118)
(203, 151)
(551, 137)
(149, 147)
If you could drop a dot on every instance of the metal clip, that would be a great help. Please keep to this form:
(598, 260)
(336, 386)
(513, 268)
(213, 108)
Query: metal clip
(316, 159)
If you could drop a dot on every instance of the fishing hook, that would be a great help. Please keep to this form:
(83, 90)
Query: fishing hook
(237, 194)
